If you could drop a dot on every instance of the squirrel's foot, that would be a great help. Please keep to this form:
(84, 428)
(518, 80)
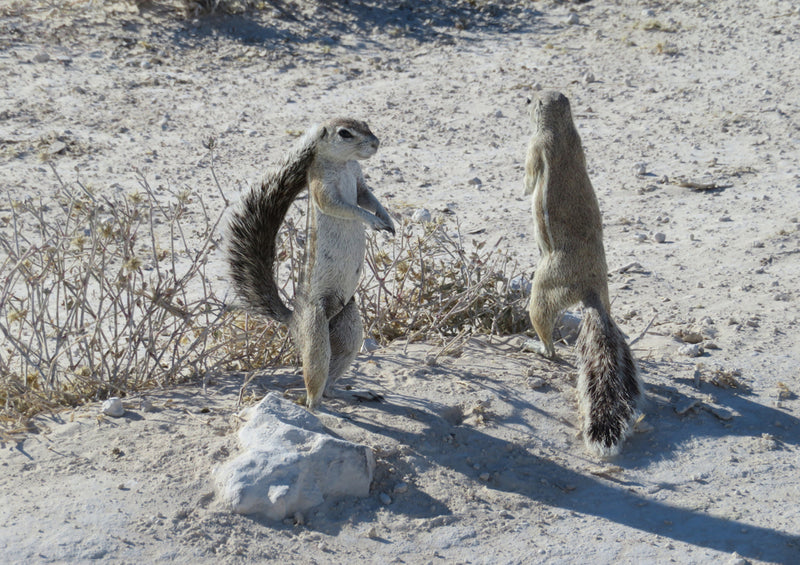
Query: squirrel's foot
(540, 348)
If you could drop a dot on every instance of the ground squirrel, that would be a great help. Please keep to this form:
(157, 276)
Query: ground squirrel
(325, 323)
(572, 269)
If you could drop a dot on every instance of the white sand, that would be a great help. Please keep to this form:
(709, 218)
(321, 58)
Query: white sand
(479, 466)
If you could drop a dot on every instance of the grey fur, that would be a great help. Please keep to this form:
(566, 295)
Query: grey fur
(572, 270)
(325, 324)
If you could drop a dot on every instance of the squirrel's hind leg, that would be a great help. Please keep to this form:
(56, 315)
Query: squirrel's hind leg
(346, 336)
(315, 351)
(543, 314)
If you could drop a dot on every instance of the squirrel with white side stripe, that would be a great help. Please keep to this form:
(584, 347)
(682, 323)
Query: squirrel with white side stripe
(325, 324)
(572, 269)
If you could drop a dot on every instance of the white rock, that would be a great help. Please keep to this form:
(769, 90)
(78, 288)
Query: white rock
(385, 499)
(588, 77)
(421, 216)
(640, 169)
(660, 237)
(41, 57)
(648, 13)
(290, 463)
(568, 326)
(573, 19)
(113, 407)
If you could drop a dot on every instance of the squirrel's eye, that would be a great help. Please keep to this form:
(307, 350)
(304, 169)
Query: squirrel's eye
(344, 134)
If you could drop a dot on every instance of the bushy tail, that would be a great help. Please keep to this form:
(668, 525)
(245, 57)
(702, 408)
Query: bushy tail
(608, 382)
(253, 227)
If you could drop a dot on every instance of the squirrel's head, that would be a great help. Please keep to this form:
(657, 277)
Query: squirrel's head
(345, 139)
(550, 109)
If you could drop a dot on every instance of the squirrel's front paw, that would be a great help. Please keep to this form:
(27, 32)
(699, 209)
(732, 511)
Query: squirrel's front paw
(381, 224)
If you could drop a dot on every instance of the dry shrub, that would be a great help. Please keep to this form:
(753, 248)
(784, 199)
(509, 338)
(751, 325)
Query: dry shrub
(107, 296)
(431, 283)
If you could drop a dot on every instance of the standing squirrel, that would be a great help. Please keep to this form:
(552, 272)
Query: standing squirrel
(572, 269)
(325, 323)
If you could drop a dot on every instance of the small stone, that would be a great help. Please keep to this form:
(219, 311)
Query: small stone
(691, 350)
(737, 559)
(401, 488)
(113, 407)
(484, 476)
(145, 405)
(56, 147)
(690, 337)
(370, 345)
(628, 83)
(498, 114)
(385, 499)
(687, 405)
(573, 19)
(474, 182)
(41, 57)
(640, 169)
(648, 13)
(660, 237)
(372, 533)
(421, 216)
(520, 284)
(588, 77)
(536, 382)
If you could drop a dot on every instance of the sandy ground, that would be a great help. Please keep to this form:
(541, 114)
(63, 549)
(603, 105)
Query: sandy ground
(478, 455)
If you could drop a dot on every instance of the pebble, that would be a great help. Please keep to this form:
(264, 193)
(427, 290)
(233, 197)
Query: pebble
(573, 19)
(648, 13)
(737, 559)
(475, 182)
(640, 169)
(385, 499)
(588, 77)
(56, 147)
(370, 345)
(145, 405)
(660, 237)
(41, 57)
(421, 216)
(113, 407)
(484, 476)
(691, 350)
(520, 283)
(401, 488)
(536, 382)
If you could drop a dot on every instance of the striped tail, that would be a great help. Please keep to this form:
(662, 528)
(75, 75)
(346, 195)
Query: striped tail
(253, 229)
(608, 382)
